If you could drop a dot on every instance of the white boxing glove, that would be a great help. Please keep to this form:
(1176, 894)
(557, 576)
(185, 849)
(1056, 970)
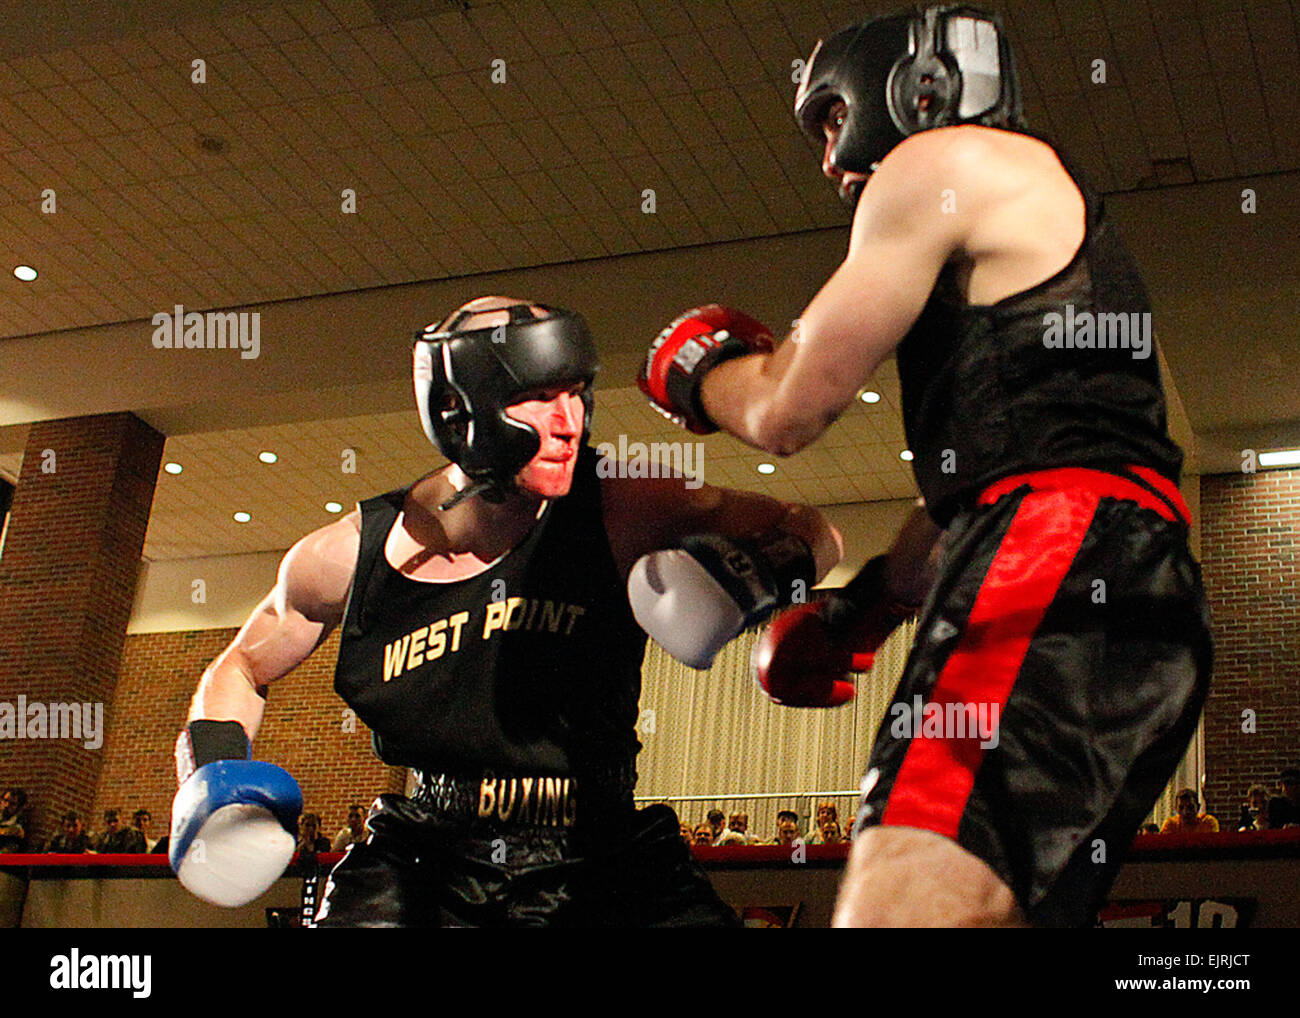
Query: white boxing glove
(696, 599)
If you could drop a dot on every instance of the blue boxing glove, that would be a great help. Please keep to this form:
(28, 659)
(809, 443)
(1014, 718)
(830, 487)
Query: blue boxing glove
(234, 820)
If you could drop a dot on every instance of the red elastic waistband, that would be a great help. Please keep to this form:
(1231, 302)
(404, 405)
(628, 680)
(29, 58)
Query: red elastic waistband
(1101, 483)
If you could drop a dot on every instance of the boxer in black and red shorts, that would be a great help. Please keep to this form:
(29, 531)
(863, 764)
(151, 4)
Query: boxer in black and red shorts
(1062, 654)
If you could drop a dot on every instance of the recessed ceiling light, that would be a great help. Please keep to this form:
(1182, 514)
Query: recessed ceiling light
(766, 468)
(906, 455)
(25, 272)
(267, 457)
(1281, 458)
(242, 517)
(173, 468)
(333, 507)
(870, 397)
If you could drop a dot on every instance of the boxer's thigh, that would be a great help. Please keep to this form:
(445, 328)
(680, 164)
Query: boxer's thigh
(380, 882)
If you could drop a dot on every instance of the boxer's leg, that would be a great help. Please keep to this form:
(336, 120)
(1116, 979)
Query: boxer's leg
(901, 876)
(380, 882)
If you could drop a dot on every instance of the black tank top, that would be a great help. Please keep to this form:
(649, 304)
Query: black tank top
(531, 667)
(984, 396)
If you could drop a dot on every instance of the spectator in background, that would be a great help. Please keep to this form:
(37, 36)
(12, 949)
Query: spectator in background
(737, 832)
(787, 828)
(826, 814)
(354, 833)
(1284, 811)
(688, 835)
(12, 834)
(1149, 829)
(140, 821)
(716, 817)
(73, 839)
(1254, 811)
(1189, 818)
(704, 833)
(116, 838)
(828, 834)
(310, 839)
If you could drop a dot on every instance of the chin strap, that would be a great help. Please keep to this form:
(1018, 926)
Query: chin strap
(490, 489)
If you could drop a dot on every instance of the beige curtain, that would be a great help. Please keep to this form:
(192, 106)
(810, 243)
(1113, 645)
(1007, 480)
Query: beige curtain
(715, 734)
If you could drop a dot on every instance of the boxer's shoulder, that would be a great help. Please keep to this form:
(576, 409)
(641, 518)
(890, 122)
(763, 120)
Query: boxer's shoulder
(316, 573)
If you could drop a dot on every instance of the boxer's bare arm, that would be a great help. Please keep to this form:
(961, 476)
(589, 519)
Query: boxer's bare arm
(304, 606)
(646, 514)
(1000, 205)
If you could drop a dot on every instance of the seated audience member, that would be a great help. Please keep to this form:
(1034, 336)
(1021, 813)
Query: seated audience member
(716, 817)
(354, 833)
(704, 833)
(826, 814)
(787, 828)
(688, 835)
(12, 834)
(72, 839)
(1254, 811)
(116, 838)
(140, 821)
(737, 832)
(1284, 810)
(829, 834)
(1149, 829)
(1189, 818)
(310, 839)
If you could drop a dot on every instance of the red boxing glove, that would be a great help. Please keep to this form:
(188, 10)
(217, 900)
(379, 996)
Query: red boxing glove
(805, 656)
(693, 344)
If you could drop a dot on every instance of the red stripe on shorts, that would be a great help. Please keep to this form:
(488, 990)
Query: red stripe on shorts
(937, 774)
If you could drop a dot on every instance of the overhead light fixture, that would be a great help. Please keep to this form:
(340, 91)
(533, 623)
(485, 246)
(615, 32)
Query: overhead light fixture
(870, 397)
(766, 468)
(242, 517)
(25, 272)
(173, 468)
(906, 456)
(333, 507)
(267, 457)
(1281, 458)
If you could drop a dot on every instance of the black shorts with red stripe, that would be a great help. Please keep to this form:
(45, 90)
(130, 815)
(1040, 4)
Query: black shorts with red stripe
(1060, 666)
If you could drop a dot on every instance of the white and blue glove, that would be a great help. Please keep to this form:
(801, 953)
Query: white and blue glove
(234, 820)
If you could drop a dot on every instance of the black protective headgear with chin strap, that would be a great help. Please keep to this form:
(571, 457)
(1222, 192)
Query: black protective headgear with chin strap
(465, 379)
(906, 73)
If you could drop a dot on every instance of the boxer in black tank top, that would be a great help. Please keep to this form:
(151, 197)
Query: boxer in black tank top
(1063, 649)
(491, 643)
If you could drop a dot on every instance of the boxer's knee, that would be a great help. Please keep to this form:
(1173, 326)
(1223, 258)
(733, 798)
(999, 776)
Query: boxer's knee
(902, 876)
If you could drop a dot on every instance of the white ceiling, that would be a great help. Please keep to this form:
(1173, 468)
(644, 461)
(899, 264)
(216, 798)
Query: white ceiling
(457, 177)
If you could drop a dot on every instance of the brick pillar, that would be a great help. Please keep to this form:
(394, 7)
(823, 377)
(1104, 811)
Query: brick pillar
(1249, 524)
(67, 582)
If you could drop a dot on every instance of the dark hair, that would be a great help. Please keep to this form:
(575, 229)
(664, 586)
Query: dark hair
(783, 814)
(70, 816)
(110, 814)
(716, 814)
(141, 812)
(19, 795)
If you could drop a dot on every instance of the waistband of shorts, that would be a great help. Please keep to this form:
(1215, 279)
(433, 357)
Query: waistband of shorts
(525, 800)
(1142, 485)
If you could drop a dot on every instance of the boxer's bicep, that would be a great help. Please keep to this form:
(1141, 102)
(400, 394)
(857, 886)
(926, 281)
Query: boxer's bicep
(286, 627)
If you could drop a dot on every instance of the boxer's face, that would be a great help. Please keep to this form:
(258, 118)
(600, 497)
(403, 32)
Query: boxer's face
(847, 182)
(557, 415)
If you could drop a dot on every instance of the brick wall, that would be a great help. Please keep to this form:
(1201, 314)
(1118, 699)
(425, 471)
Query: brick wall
(1249, 524)
(304, 730)
(67, 581)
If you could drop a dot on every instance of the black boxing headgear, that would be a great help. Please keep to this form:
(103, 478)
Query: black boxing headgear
(465, 379)
(908, 73)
